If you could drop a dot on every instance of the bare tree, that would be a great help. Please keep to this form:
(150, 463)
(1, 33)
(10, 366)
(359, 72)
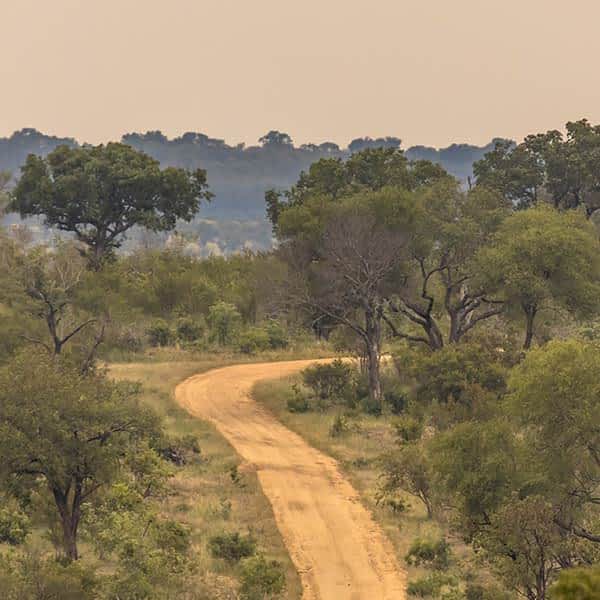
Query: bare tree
(359, 265)
(51, 280)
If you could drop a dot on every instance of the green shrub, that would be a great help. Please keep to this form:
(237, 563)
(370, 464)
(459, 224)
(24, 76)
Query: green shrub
(427, 553)
(577, 584)
(232, 547)
(29, 575)
(475, 591)
(127, 339)
(224, 320)
(298, 403)
(261, 579)
(396, 400)
(452, 374)
(431, 585)
(339, 426)
(371, 406)
(331, 382)
(160, 334)
(172, 537)
(189, 330)
(14, 526)
(396, 505)
(408, 429)
(254, 340)
(278, 337)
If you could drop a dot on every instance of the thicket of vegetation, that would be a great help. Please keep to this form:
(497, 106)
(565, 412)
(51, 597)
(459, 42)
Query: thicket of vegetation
(484, 299)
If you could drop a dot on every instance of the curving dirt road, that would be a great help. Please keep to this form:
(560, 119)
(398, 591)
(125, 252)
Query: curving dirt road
(339, 551)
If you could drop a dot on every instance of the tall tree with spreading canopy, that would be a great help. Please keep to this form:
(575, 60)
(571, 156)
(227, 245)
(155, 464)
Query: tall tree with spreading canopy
(99, 193)
(541, 257)
(441, 297)
(563, 170)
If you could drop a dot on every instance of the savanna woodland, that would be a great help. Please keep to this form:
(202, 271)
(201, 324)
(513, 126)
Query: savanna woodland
(464, 403)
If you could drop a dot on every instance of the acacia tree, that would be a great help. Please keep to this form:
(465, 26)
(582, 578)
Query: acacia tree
(99, 193)
(539, 257)
(67, 431)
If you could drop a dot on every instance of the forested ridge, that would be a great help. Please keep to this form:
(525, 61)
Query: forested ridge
(240, 174)
(472, 310)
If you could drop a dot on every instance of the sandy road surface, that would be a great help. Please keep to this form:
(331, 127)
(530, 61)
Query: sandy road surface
(337, 548)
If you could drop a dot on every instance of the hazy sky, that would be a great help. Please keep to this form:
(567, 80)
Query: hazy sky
(428, 71)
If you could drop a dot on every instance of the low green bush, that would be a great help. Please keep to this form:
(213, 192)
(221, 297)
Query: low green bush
(339, 426)
(232, 547)
(188, 330)
(407, 429)
(278, 337)
(371, 406)
(577, 584)
(261, 578)
(14, 526)
(298, 402)
(253, 340)
(333, 382)
(428, 553)
(160, 334)
(431, 585)
(396, 400)
(476, 591)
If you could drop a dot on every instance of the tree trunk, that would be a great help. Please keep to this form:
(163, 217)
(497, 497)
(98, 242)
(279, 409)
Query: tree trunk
(70, 540)
(69, 517)
(454, 333)
(373, 356)
(436, 339)
(97, 253)
(530, 312)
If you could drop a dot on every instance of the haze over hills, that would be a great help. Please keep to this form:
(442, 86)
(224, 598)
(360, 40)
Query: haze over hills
(239, 175)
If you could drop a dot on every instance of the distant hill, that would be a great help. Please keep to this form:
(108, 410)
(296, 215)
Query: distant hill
(239, 175)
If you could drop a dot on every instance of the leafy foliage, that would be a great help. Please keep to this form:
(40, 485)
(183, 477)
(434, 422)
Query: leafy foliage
(331, 382)
(100, 192)
(429, 553)
(232, 547)
(261, 579)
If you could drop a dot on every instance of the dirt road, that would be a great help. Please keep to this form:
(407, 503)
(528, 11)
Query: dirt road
(337, 548)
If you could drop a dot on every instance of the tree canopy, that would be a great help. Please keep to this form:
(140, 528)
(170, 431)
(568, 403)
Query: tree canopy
(99, 193)
(69, 430)
(541, 257)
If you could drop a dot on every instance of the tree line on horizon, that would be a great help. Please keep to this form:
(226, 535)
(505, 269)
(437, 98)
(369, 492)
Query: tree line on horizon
(240, 174)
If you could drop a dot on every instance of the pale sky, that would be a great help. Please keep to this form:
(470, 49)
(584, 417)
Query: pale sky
(430, 72)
